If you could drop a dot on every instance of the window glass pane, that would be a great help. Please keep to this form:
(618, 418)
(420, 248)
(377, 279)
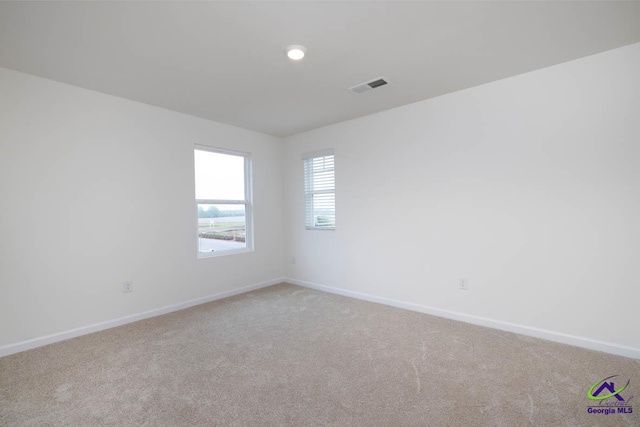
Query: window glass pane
(221, 227)
(219, 176)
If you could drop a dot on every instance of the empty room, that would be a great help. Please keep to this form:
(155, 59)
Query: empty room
(301, 213)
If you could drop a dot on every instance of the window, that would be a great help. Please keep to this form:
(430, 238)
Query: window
(319, 188)
(223, 199)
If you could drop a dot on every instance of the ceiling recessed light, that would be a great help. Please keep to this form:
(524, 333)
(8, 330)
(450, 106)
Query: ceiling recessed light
(296, 52)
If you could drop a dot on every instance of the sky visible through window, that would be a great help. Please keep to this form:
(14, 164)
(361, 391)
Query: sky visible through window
(219, 177)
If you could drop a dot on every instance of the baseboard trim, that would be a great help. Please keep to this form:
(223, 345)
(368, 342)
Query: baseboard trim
(96, 327)
(558, 337)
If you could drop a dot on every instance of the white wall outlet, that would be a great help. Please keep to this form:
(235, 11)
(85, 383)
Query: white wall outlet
(127, 286)
(463, 284)
(293, 260)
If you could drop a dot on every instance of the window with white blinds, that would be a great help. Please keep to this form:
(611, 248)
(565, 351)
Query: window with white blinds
(319, 187)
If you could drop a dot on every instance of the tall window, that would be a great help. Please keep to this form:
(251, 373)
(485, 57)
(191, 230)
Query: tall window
(223, 199)
(319, 187)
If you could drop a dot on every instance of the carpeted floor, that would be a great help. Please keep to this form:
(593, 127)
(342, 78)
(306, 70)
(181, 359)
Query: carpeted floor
(286, 355)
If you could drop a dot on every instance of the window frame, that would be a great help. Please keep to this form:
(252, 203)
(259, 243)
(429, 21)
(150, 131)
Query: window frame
(247, 202)
(309, 157)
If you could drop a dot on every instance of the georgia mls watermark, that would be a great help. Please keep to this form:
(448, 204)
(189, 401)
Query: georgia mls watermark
(607, 400)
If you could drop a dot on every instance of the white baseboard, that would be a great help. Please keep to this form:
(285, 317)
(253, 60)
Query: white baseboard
(591, 344)
(84, 330)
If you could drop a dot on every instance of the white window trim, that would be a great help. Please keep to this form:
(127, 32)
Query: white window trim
(312, 155)
(321, 153)
(248, 204)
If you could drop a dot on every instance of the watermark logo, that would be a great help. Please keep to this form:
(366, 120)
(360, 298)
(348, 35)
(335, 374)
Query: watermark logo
(607, 399)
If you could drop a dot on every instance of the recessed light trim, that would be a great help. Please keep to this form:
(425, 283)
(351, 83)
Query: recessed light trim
(296, 52)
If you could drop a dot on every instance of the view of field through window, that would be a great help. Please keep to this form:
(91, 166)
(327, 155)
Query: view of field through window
(221, 227)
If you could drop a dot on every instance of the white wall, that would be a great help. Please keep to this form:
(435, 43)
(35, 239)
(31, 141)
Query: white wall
(529, 187)
(95, 190)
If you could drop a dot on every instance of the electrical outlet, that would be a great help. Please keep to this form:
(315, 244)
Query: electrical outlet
(127, 286)
(293, 260)
(463, 284)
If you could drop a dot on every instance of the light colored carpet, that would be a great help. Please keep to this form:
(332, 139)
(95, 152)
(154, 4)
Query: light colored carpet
(286, 355)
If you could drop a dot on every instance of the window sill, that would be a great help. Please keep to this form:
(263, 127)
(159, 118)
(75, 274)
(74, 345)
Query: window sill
(204, 255)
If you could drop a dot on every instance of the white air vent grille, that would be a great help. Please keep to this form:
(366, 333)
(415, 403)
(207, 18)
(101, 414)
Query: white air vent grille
(373, 84)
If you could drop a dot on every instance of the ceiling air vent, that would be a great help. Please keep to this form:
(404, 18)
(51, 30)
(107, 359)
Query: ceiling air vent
(373, 84)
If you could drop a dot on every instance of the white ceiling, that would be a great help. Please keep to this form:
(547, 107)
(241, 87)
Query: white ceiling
(225, 60)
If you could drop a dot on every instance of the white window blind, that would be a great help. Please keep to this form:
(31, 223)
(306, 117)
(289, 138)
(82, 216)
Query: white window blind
(320, 198)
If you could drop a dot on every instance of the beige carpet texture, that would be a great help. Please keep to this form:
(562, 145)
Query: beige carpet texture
(290, 356)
